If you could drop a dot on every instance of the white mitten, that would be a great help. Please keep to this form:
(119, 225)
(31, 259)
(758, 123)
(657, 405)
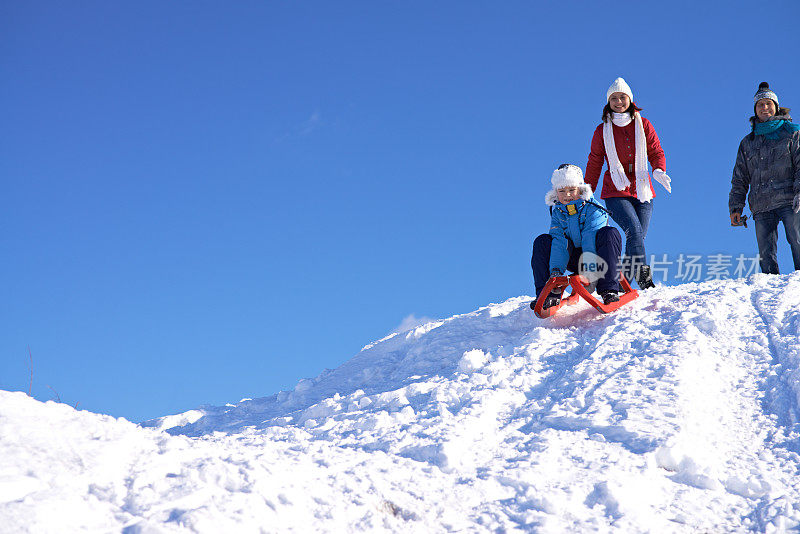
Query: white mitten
(662, 178)
(796, 203)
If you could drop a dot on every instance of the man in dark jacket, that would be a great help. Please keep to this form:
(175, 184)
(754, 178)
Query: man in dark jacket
(768, 164)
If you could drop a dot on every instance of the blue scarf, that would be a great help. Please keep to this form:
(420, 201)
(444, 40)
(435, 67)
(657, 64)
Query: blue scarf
(770, 129)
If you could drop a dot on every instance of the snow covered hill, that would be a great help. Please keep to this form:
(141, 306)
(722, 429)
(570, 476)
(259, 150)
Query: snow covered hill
(677, 413)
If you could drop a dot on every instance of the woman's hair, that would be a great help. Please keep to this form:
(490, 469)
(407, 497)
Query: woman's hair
(607, 111)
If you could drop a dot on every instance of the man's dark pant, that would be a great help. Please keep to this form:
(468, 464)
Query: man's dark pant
(767, 237)
(608, 244)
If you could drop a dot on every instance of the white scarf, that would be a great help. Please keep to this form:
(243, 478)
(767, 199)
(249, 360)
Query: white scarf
(621, 119)
(643, 191)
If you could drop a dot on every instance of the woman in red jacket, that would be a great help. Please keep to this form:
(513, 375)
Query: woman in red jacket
(626, 141)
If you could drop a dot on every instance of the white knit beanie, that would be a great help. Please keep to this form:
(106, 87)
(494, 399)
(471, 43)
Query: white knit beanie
(619, 86)
(567, 175)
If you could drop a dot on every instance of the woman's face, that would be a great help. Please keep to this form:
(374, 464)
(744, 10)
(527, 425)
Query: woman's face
(765, 108)
(619, 102)
(568, 194)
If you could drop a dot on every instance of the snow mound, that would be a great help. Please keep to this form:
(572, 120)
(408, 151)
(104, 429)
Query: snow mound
(677, 413)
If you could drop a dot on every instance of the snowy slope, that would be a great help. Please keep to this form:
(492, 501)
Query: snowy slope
(677, 413)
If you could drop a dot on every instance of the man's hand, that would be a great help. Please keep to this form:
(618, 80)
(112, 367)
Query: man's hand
(796, 203)
(738, 220)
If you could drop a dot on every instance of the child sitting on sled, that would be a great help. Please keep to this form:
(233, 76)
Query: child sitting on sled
(579, 240)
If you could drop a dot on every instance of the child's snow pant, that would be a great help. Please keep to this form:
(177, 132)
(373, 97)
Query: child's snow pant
(608, 244)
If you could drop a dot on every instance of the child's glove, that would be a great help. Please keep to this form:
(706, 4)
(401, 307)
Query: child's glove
(555, 272)
(663, 178)
(796, 203)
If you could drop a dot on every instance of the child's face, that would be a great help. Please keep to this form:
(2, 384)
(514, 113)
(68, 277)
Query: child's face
(568, 194)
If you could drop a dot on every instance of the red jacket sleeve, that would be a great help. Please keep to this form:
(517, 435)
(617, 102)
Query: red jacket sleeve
(597, 157)
(655, 154)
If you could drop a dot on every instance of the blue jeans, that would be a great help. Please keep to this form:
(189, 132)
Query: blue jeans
(634, 218)
(767, 237)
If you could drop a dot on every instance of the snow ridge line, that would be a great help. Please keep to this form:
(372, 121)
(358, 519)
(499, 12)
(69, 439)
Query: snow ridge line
(424, 353)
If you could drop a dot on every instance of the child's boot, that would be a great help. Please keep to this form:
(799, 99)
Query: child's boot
(551, 300)
(609, 296)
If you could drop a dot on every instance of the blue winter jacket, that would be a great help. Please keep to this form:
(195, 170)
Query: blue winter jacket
(580, 228)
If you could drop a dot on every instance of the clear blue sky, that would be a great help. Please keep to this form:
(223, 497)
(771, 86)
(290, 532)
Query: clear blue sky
(204, 201)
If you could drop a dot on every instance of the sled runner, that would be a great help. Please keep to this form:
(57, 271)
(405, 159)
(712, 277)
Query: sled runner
(578, 284)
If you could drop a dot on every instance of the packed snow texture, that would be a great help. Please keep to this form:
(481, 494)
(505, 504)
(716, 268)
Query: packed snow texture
(677, 413)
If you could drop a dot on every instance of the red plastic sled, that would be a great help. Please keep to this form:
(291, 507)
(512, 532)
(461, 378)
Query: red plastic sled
(578, 284)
